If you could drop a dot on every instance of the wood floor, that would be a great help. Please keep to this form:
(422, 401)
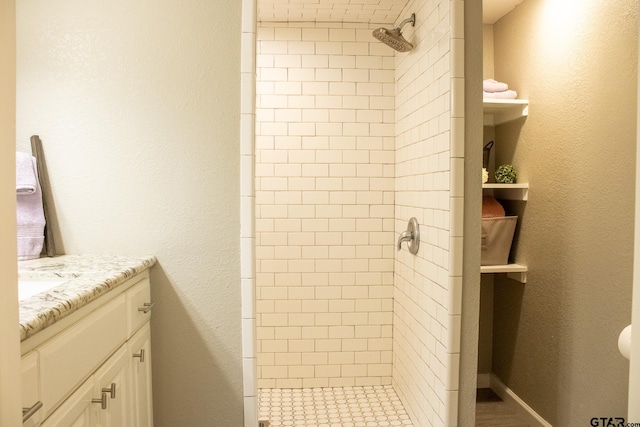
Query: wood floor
(491, 411)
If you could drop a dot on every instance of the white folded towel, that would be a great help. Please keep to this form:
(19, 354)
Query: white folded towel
(26, 180)
(30, 219)
(507, 94)
(490, 85)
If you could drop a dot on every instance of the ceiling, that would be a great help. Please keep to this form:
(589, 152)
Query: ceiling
(370, 11)
(492, 10)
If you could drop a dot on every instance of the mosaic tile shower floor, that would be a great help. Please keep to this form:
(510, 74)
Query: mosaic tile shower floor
(367, 406)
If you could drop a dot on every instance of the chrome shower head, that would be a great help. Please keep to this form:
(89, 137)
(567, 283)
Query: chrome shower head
(393, 38)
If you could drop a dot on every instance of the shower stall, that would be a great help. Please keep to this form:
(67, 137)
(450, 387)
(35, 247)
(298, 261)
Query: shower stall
(352, 139)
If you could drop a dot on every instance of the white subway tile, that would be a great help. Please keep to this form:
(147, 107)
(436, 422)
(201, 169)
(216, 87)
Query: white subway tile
(301, 75)
(302, 101)
(264, 60)
(342, 61)
(369, 116)
(328, 74)
(301, 48)
(301, 156)
(315, 88)
(381, 102)
(356, 344)
(342, 88)
(328, 48)
(286, 88)
(287, 61)
(356, 129)
(369, 62)
(342, 116)
(315, 61)
(300, 266)
(274, 74)
(369, 89)
(356, 102)
(355, 48)
(382, 76)
(342, 35)
(288, 115)
(328, 101)
(355, 211)
(270, 46)
(315, 252)
(315, 34)
(288, 34)
(302, 129)
(329, 129)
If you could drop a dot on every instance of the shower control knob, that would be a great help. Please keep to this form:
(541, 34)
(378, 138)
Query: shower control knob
(412, 236)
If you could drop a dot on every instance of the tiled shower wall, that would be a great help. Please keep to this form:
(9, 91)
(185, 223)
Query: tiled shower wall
(324, 205)
(429, 175)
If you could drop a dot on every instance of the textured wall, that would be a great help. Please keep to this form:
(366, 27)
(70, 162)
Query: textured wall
(138, 108)
(555, 338)
(487, 52)
(429, 186)
(324, 205)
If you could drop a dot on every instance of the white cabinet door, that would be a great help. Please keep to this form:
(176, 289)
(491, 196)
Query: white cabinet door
(140, 358)
(77, 410)
(30, 390)
(112, 378)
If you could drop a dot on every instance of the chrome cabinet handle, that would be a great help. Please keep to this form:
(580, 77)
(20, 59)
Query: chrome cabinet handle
(102, 401)
(28, 412)
(111, 390)
(140, 355)
(147, 307)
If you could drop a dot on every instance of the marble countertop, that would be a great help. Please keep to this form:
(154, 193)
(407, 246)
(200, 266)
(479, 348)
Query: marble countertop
(89, 277)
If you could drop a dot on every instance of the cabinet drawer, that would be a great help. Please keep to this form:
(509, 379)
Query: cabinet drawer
(137, 312)
(29, 379)
(72, 356)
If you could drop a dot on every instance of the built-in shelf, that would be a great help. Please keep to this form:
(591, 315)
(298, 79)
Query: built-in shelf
(498, 111)
(514, 271)
(518, 191)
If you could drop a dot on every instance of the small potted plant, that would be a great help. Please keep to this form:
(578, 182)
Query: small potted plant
(506, 174)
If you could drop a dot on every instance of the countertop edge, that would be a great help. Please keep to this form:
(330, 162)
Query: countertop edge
(83, 287)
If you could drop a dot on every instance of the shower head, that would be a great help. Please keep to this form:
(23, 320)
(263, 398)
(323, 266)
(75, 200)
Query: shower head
(393, 38)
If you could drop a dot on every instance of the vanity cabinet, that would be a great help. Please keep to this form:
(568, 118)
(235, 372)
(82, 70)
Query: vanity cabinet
(90, 373)
(496, 112)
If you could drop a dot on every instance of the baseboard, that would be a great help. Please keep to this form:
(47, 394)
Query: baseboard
(484, 381)
(530, 416)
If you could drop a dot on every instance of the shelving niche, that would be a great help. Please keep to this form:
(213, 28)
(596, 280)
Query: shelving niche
(497, 112)
(518, 191)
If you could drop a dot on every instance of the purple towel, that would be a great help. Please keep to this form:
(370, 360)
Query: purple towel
(507, 94)
(26, 180)
(490, 85)
(29, 214)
